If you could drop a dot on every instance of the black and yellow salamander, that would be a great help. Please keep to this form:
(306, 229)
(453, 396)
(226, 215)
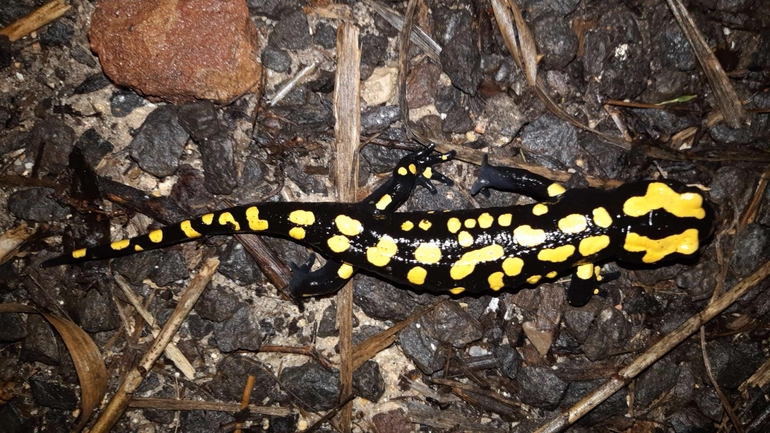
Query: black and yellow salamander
(462, 251)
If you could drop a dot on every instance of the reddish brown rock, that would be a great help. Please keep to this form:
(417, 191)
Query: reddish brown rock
(178, 50)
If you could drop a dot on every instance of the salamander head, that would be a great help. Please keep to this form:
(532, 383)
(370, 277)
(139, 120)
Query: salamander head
(662, 221)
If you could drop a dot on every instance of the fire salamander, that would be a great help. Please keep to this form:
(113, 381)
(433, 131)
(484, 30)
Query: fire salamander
(462, 251)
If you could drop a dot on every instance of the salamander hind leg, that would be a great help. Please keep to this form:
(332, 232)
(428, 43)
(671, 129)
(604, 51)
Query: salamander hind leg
(327, 279)
(518, 180)
(586, 282)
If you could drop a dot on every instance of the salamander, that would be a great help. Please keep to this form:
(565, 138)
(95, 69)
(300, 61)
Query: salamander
(461, 251)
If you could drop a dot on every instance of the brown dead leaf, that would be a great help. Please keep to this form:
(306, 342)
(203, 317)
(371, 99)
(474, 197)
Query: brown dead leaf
(87, 358)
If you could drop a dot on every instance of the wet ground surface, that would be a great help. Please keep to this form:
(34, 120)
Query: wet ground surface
(85, 161)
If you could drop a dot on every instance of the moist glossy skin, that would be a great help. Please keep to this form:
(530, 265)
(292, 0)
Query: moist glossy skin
(459, 251)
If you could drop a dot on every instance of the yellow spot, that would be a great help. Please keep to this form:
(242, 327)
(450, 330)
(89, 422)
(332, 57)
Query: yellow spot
(119, 245)
(528, 237)
(539, 209)
(381, 254)
(512, 266)
(465, 239)
(412, 169)
(470, 223)
(505, 219)
(338, 243)
(207, 219)
(486, 220)
(427, 173)
(556, 255)
(555, 190)
(457, 290)
(534, 279)
(227, 218)
(384, 202)
(417, 275)
(425, 224)
(661, 196)
(656, 249)
(345, 271)
(348, 226)
(585, 272)
(552, 274)
(427, 253)
(402, 171)
(79, 254)
(155, 236)
(252, 216)
(453, 225)
(496, 281)
(593, 244)
(573, 223)
(468, 261)
(598, 273)
(188, 230)
(407, 225)
(302, 217)
(138, 248)
(297, 233)
(602, 218)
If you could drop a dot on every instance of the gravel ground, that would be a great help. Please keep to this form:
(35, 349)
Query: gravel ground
(85, 161)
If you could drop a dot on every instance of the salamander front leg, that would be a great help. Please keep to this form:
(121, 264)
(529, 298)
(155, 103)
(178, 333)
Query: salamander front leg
(518, 180)
(413, 169)
(329, 278)
(585, 284)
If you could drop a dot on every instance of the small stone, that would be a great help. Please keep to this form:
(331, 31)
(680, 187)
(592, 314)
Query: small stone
(40, 344)
(460, 56)
(219, 171)
(394, 421)
(316, 388)
(374, 50)
(291, 32)
(450, 324)
(232, 373)
(35, 204)
(94, 147)
(276, 59)
(274, 9)
(51, 394)
(135, 268)
(237, 265)
(368, 382)
(325, 36)
(549, 135)
(203, 421)
(239, 332)
(53, 137)
(509, 359)
(12, 328)
(56, 34)
(422, 349)
(376, 119)
(555, 40)
(83, 56)
(159, 143)
(124, 101)
(609, 333)
(504, 119)
(655, 382)
(92, 83)
(171, 268)
(199, 119)
(97, 312)
(178, 51)
(540, 387)
(217, 304)
(6, 52)
(380, 87)
(380, 300)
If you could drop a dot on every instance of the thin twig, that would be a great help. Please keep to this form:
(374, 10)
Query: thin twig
(120, 400)
(652, 354)
(47, 13)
